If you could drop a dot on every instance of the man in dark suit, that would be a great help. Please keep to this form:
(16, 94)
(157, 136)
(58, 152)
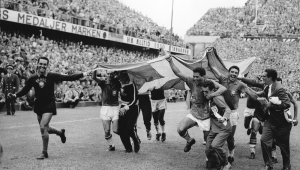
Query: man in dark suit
(276, 126)
(10, 85)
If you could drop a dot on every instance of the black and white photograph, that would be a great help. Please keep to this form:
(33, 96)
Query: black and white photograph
(149, 84)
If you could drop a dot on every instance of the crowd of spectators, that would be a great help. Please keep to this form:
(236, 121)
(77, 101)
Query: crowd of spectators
(282, 56)
(66, 58)
(109, 15)
(274, 18)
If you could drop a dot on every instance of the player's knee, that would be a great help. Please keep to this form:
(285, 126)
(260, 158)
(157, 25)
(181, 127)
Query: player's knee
(116, 131)
(162, 122)
(42, 129)
(247, 121)
(181, 130)
(107, 133)
(44, 132)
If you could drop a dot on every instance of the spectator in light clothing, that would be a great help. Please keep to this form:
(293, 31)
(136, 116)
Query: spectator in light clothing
(71, 97)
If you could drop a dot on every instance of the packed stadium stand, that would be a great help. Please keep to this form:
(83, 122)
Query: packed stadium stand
(273, 39)
(275, 17)
(108, 15)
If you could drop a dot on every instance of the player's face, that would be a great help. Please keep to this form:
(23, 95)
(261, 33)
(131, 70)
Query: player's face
(267, 80)
(42, 65)
(124, 79)
(198, 79)
(233, 74)
(206, 91)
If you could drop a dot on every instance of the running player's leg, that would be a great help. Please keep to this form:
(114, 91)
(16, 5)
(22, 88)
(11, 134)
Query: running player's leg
(44, 120)
(108, 136)
(234, 116)
(107, 115)
(123, 132)
(214, 151)
(145, 107)
(274, 155)
(182, 130)
(115, 126)
(255, 125)
(155, 118)
(133, 115)
(161, 114)
(60, 133)
(248, 124)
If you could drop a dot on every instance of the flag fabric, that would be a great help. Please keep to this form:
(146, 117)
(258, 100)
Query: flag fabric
(157, 73)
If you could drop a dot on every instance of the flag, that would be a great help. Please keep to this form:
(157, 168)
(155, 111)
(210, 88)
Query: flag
(158, 74)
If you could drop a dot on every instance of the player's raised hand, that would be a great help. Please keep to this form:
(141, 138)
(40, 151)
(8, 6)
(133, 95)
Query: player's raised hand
(165, 54)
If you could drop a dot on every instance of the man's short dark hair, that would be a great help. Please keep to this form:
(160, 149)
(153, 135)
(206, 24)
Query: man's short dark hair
(208, 84)
(271, 73)
(279, 79)
(200, 70)
(235, 67)
(43, 58)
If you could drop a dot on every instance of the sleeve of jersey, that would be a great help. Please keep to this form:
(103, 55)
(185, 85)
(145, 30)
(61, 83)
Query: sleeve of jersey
(252, 82)
(60, 77)
(134, 97)
(25, 89)
(100, 82)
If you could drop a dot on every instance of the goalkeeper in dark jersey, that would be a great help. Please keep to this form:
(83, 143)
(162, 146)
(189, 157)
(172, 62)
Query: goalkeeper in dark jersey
(44, 104)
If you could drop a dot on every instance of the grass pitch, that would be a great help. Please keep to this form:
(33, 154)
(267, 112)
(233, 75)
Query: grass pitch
(86, 147)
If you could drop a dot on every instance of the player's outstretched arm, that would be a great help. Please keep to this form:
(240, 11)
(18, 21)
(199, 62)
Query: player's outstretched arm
(172, 65)
(216, 71)
(175, 69)
(24, 90)
(251, 82)
(73, 77)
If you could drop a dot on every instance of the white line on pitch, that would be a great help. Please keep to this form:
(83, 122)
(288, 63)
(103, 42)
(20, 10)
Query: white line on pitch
(71, 121)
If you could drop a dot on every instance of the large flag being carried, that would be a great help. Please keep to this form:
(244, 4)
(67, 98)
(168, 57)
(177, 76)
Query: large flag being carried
(157, 73)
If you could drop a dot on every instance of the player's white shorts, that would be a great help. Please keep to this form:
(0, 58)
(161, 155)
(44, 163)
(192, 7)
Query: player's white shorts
(109, 112)
(158, 105)
(248, 112)
(234, 117)
(204, 125)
